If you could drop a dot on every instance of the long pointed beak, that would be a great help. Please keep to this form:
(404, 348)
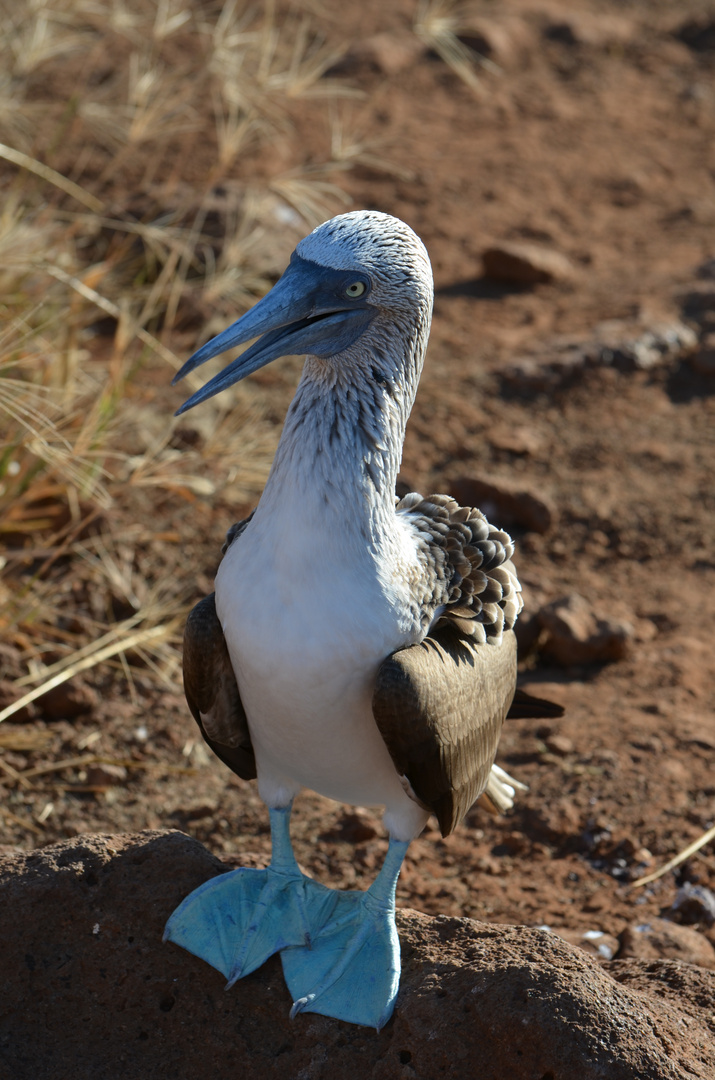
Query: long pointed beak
(303, 313)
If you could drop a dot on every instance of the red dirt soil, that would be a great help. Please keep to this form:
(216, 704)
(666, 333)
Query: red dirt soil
(595, 139)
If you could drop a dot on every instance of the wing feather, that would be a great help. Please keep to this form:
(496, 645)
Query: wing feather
(528, 706)
(212, 692)
(467, 576)
(440, 706)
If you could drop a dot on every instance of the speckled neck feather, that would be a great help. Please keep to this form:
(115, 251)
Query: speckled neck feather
(344, 432)
(347, 421)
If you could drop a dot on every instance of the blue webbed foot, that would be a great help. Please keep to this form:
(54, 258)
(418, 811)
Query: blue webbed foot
(351, 970)
(237, 920)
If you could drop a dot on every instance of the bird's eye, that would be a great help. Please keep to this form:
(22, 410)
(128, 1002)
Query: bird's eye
(355, 289)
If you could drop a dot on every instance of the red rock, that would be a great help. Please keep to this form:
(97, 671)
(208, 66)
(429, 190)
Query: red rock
(106, 776)
(505, 504)
(694, 904)
(517, 440)
(69, 699)
(659, 938)
(556, 822)
(560, 744)
(528, 631)
(703, 360)
(696, 729)
(487, 864)
(87, 989)
(358, 826)
(697, 33)
(200, 808)
(643, 858)
(575, 634)
(526, 264)
(595, 942)
(506, 40)
(599, 30)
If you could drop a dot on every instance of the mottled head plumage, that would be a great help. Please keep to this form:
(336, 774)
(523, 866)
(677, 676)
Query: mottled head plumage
(318, 309)
(383, 246)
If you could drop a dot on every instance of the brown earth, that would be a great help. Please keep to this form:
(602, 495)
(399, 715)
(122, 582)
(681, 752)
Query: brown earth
(87, 989)
(595, 140)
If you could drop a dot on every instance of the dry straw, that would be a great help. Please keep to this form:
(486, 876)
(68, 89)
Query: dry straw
(691, 849)
(127, 236)
(438, 24)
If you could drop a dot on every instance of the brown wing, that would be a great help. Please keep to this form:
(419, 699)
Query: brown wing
(212, 692)
(439, 707)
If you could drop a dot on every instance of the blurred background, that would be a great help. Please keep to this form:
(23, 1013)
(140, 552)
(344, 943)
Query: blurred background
(159, 160)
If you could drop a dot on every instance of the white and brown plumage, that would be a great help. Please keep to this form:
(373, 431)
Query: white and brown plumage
(357, 646)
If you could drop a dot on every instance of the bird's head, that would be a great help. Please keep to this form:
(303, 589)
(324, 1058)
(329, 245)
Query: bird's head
(350, 271)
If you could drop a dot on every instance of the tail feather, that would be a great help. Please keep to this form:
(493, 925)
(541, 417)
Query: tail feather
(527, 706)
(501, 789)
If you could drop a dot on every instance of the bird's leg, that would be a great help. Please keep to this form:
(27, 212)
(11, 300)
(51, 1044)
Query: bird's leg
(351, 970)
(237, 920)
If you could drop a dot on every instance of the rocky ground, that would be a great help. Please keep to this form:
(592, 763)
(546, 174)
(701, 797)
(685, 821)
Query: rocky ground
(568, 205)
(89, 990)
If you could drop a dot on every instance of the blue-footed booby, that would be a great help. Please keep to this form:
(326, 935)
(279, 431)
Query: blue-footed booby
(357, 645)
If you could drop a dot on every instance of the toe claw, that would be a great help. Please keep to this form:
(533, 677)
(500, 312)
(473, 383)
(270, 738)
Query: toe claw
(299, 1005)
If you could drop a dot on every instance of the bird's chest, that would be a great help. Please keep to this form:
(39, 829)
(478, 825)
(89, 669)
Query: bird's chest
(307, 620)
(307, 626)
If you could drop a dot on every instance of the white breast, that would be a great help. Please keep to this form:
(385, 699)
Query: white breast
(307, 623)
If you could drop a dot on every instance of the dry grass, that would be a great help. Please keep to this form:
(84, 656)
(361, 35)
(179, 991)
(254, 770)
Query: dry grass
(127, 235)
(437, 24)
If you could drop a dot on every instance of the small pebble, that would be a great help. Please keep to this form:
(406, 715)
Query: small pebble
(560, 744)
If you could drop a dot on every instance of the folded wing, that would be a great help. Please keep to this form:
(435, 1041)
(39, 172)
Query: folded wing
(211, 690)
(440, 706)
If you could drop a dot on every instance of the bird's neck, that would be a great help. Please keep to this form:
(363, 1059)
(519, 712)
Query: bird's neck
(341, 446)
